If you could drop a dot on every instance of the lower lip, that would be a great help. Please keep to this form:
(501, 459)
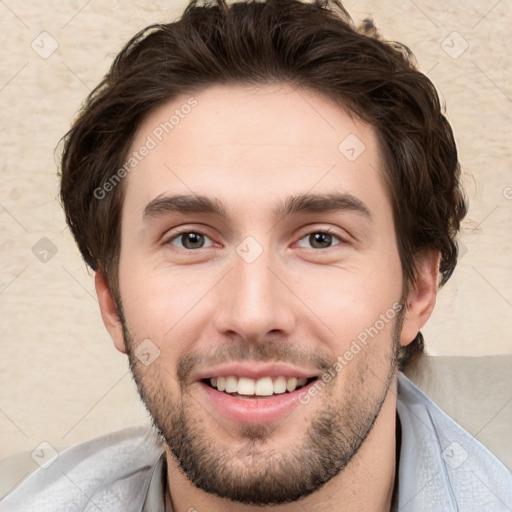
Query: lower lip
(253, 410)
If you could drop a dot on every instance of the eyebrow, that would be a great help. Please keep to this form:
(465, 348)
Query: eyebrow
(304, 203)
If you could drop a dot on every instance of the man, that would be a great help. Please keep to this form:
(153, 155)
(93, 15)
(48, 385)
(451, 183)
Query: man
(270, 199)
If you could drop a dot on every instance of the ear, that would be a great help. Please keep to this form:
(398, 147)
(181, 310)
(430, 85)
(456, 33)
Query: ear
(109, 311)
(421, 299)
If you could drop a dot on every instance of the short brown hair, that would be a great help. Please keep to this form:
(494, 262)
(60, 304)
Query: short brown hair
(312, 45)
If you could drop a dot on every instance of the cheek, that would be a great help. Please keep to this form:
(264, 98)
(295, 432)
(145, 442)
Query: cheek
(162, 304)
(349, 300)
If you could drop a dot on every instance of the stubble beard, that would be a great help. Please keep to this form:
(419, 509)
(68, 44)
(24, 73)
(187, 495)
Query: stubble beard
(255, 473)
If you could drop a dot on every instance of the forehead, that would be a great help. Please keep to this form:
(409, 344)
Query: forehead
(251, 145)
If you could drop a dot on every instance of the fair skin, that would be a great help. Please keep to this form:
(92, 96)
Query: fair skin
(295, 308)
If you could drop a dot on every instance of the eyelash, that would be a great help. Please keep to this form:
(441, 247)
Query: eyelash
(187, 231)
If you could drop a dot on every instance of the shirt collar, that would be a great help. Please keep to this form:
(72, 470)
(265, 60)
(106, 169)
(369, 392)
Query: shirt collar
(423, 482)
(156, 496)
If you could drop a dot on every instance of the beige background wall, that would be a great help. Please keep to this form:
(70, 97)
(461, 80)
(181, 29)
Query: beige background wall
(61, 379)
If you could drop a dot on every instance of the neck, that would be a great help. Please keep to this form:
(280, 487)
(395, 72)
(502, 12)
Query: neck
(365, 484)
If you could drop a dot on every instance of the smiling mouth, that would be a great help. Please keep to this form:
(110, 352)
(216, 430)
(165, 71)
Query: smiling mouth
(266, 387)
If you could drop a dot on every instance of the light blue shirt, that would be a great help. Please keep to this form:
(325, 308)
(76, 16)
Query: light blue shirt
(442, 469)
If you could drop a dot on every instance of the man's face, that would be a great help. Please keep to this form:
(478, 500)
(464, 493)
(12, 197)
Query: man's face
(259, 296)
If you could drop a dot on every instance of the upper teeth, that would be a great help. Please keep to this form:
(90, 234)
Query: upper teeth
(262, 387)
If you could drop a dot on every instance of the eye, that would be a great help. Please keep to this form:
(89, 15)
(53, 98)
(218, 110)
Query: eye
(321, 239)
(190, 240)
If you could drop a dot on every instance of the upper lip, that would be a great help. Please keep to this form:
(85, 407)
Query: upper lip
(255, 370)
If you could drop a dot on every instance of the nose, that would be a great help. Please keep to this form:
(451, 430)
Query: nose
(254, 300)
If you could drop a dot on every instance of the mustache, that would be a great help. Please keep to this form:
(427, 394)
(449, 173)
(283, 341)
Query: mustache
(271, 351)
